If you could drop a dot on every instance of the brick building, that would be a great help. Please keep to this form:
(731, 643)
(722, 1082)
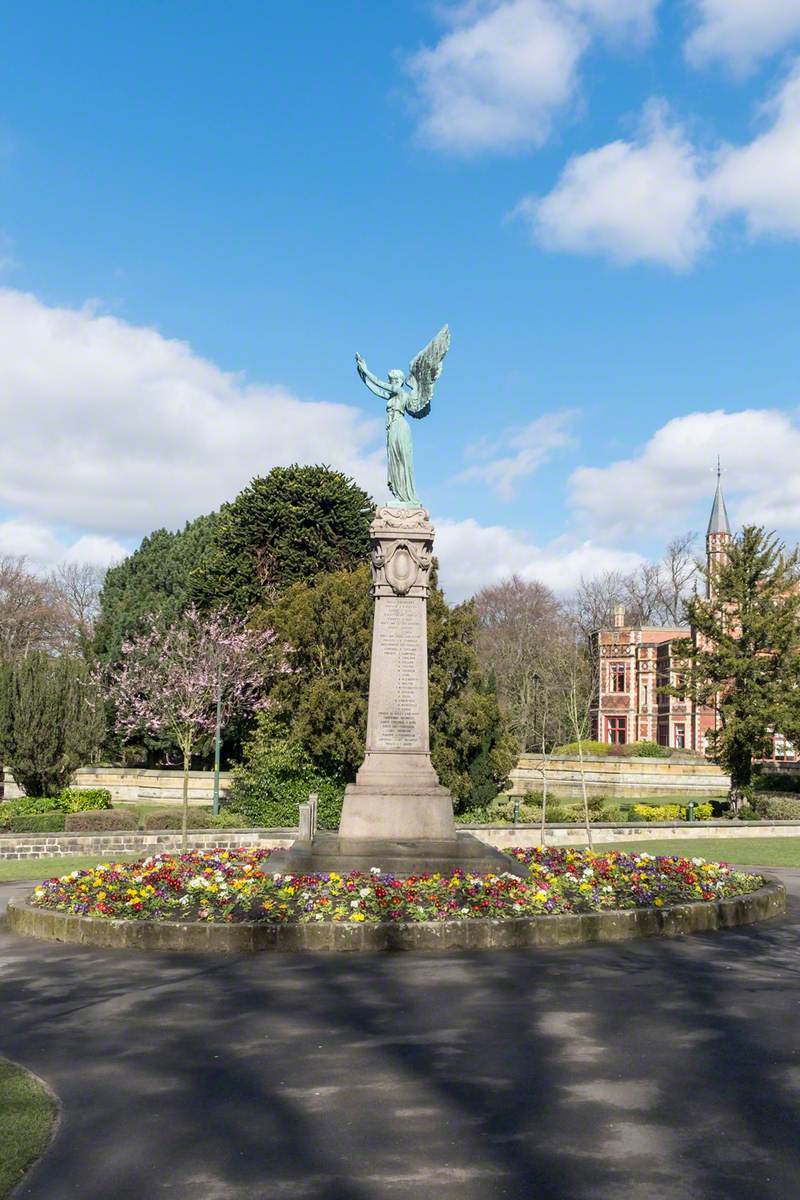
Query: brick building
(636, 665)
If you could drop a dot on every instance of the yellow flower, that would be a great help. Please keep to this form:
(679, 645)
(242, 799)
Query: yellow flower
(101, 895)
(658, 902)
(541, 896)
(357, 917)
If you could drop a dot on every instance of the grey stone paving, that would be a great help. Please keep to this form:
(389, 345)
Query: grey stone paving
(655, 1070)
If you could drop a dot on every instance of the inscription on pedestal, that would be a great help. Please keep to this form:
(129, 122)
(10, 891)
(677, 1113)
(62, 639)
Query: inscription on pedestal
(400, 718)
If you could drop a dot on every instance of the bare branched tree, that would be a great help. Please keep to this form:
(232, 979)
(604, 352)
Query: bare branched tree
(30, 615)
(680, 570)
(519, 622)
(77, 587)
(652, 594)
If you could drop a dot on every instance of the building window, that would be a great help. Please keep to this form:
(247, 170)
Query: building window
(783, 747)
(618, 677)
(644, 695)
(617, 728)
(680, 737)
(663, 733)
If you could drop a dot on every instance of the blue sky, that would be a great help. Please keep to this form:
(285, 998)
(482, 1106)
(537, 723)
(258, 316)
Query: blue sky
(205, 210)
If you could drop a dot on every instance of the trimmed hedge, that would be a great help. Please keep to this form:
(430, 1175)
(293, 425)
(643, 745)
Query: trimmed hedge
(671, 812)
(100, 821)
(171, 818)
(776, 808)
(48, 822)
(643, 749)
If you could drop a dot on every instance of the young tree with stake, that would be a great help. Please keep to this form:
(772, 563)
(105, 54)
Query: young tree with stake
(172, 679)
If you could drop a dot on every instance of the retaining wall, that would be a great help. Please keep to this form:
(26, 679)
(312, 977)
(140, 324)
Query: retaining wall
(619, 777)
(139, 786)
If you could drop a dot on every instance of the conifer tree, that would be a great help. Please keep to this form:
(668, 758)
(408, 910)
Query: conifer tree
(744, 658)
(51, 720)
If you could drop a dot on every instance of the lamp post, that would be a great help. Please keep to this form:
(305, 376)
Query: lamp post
(217, 741)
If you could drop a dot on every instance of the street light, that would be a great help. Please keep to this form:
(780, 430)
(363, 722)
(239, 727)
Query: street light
(217, 741)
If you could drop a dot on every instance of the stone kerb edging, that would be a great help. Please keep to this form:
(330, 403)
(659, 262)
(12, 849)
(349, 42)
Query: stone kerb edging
(515, 933)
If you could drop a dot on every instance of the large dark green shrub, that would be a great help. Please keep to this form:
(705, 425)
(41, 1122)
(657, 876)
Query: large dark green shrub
(154, 579)
(102, 821)
(285, 527)
(276, 776)
(776, 781)
(75, 799)
(51, 720)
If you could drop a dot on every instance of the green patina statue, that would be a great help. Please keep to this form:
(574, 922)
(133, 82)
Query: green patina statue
(403, 394)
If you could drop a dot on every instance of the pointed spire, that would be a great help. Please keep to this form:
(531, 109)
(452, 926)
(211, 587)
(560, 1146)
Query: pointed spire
(718, 522)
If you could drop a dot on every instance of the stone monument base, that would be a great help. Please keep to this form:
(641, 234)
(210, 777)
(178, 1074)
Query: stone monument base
(397, 796)
(398, 856)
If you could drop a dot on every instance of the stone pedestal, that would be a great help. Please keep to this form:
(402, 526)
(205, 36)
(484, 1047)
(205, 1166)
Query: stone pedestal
(397, 793)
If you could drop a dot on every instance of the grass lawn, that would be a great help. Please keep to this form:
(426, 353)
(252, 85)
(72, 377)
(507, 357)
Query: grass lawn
(46, 868)
(27, 1116)
(746, 852)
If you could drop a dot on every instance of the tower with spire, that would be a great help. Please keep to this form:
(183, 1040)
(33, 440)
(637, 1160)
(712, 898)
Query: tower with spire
(718, 534)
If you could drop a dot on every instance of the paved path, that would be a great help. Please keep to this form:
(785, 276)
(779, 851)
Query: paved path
(657, 1070)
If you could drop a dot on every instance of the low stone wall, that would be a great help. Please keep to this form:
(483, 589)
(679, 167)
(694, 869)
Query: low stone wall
(503, 836)
(107, 845)
(515, 933)
(618, 777)
(139, 786)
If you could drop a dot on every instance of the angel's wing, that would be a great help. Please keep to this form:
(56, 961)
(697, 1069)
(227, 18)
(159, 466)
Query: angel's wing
(425, 370)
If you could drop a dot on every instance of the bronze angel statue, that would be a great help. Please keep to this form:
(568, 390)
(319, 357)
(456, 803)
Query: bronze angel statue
(403, 394)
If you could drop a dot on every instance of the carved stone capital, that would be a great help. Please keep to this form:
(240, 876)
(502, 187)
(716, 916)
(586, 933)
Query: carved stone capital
(402, 552)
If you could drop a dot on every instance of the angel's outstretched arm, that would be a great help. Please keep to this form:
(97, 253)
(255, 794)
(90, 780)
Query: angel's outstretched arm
(377, 386)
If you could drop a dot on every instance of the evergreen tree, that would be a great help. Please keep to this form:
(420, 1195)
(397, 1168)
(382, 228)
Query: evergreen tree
(51, 720)
(153, 581)
(744, 659)
(321, 701)
(287, 526)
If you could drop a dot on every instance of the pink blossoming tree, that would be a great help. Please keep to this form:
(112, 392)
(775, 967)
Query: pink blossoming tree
(170, 680)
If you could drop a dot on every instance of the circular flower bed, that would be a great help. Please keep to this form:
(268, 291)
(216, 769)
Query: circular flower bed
(229, 886)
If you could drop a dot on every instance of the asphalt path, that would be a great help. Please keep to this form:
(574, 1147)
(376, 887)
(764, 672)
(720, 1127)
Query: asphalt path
(654, 1070)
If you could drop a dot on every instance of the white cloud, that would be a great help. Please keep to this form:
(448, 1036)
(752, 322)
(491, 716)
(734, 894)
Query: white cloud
(496, 79)
(659, 198)
(39, 545)
(525, 449)
(636, 201)
(741, 32)
(113, 429)
(669, 482)
(472, 556)
(100, 551)
(761, 180)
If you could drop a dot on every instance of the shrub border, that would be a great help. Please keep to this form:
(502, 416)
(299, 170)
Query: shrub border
(514, 933)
